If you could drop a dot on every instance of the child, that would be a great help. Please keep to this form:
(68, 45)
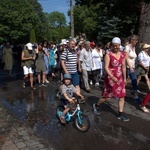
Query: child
(67, 90)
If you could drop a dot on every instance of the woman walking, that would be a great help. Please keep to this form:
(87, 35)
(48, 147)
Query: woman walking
(28, 58)
(144, 64)
(115, 78)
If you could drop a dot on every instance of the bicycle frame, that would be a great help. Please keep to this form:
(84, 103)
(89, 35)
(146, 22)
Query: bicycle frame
(76, 111)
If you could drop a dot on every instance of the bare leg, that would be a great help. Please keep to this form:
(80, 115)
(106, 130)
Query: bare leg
(121, 104)
(147, 81)
(25, 78)
(31, 79)
(39, 77)
(43, 77)
(77, 88)
(102, 100)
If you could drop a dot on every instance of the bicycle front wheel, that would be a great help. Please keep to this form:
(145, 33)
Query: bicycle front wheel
(82, 123)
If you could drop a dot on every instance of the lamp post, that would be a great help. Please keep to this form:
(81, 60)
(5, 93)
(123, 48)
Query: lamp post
(71, 19)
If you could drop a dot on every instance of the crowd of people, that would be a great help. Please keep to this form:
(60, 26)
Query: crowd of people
(84, 63)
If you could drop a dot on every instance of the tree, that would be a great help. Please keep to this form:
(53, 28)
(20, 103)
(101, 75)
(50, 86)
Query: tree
(57, 26)
(144, 22)
(33, 36)
(18, 17)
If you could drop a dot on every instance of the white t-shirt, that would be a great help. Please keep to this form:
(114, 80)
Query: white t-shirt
(144, 59)
(97, 59)
(132, 55)
(86, 58)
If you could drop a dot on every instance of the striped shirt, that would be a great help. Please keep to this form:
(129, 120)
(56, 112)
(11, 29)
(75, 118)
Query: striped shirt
(70, 58)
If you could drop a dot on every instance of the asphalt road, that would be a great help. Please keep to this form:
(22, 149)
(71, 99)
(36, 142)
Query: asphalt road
(37, 110)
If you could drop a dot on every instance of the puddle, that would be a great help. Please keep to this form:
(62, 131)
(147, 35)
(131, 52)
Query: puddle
(37, 109)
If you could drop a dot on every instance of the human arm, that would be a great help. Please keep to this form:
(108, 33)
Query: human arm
(140, 59)
(124, 70)
(62, 61)
(128, 63)
(81, 57)
(107, 61)
(24, 58)
(127, 50)
(71, 100)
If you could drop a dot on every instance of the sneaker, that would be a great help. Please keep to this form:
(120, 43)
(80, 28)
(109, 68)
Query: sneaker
(40, 84)
(33, 88)
(138, 91)
(137, 100)
(145, 109)
(96, 84)
(44, 84)
(62, 119)
(23, 85)
(123, 117)
(91, 83)
(88, 90)
(96, 109)
(81, 101)
(46, 81)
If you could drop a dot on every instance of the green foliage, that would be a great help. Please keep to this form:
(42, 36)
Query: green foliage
(86, 20)
(32, 36)
(57, 26)
(18, 17)
(104, 19)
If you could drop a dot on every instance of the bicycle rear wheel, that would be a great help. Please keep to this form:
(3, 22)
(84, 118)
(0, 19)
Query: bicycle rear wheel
(82, 123)
(59, 111)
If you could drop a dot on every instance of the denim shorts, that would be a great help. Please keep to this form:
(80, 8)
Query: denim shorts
(75, 79)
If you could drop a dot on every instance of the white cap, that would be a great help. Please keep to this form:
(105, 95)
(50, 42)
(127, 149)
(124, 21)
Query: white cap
(29, 46)
(64, 43)
(116, 40)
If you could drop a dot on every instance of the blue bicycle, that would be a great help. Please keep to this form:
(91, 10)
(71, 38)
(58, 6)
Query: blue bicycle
(81, 121)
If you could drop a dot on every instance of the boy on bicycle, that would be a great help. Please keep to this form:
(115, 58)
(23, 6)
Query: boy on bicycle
(67, 90)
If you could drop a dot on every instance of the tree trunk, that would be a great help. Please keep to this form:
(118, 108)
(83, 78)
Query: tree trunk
(144, 23)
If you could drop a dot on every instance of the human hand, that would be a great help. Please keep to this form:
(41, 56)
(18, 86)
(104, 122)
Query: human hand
(80, 70)
(82, 97)
(131, 70)
(114, 79)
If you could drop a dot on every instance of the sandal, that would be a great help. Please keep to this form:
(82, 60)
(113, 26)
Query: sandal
(62, 119)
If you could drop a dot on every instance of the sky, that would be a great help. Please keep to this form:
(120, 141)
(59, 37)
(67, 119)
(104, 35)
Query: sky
(56, 5)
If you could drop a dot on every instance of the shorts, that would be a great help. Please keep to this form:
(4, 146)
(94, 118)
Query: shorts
(27, 70)
(75, 79)
(64, 101)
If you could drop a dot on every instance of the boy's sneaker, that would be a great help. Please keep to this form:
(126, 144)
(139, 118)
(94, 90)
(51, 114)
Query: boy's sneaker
(44, 84)
(96, 109)
(123, 117)
(137, 100)
(62, 119)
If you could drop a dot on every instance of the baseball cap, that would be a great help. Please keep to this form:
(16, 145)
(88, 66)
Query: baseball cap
(29, 46)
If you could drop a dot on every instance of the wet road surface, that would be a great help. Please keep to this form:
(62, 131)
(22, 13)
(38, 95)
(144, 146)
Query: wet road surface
(37, 110)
